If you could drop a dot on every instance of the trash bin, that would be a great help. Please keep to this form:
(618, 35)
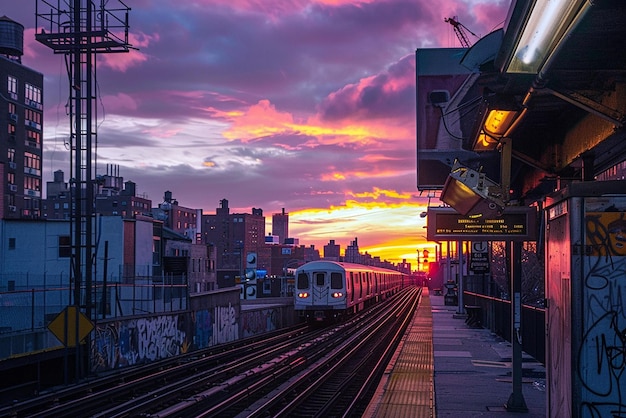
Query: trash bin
(451, 297)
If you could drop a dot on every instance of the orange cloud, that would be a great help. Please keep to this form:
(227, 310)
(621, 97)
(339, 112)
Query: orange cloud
(263, 119)
(377, 193)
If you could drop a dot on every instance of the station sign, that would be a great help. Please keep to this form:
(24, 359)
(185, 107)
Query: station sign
(479, 257)
(514, 224)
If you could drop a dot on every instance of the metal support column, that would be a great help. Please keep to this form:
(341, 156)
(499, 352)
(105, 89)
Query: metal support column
(516, 402)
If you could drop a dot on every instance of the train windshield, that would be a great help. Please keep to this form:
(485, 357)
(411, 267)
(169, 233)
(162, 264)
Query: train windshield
(303, 281)
(336, 281)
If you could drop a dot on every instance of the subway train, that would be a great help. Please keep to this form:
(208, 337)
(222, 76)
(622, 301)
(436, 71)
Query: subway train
(328, 291)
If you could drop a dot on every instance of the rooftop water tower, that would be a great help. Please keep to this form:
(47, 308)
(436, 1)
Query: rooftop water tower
(11, 39)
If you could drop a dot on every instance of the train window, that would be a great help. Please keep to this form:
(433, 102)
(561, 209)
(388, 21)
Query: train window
(303, 281)
(320, 279)
(336, 281)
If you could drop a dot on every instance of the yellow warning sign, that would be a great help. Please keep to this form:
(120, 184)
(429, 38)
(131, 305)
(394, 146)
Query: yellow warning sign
(65, 325)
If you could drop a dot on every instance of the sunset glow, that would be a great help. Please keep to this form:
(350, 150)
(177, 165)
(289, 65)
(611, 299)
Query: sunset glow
(306, 105)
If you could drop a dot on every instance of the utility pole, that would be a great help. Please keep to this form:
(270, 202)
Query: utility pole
(81, 29)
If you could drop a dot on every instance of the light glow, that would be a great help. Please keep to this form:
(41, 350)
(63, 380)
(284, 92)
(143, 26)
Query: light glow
(548, 23)
(499, 121)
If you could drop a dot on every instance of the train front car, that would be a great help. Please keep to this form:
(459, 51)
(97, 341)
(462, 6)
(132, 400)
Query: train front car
(321, 293)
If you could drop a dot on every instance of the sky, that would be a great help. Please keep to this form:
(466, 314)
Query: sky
(303, 105)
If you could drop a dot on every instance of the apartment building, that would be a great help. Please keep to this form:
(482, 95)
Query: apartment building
(21, 124)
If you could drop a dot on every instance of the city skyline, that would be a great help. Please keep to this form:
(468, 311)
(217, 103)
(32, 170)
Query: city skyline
(302, 105)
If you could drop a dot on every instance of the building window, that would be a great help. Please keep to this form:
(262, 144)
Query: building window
(32, 161)
(65, 246)
(34, 117)
(12, 85)
(32, 93)
(34, 139)
(12, 112)
(11, 243)
(32, 183)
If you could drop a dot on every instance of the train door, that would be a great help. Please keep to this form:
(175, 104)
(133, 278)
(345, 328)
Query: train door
(320, 289)
(352, 286)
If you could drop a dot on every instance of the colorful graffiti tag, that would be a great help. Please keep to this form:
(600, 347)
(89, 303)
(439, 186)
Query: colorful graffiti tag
(601, 354)
(135, 341)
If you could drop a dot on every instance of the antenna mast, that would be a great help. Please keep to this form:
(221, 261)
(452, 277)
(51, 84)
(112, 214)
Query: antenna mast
(460, 29)
(80, 29)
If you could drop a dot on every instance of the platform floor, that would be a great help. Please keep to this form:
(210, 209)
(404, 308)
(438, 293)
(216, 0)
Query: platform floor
(444, 368)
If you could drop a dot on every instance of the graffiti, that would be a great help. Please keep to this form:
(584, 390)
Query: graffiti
(204, 328)
(158, 338)
(602, 352)
(225, 328)
(256, 322)
(126, 343)
(104, 348)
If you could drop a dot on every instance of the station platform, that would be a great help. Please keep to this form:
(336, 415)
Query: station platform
(445, 368)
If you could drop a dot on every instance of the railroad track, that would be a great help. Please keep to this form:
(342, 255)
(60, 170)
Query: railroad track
(133, 379)
(337, 372)
(324, 370)
(347, 385)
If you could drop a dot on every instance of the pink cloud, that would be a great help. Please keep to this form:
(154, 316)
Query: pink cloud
(120, 103)
(134, 57)
(261, 119)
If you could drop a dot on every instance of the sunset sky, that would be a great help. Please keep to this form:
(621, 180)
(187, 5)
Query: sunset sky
(303, 105)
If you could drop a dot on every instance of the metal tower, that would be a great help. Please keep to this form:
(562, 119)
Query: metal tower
(459, 30)
(80, 29)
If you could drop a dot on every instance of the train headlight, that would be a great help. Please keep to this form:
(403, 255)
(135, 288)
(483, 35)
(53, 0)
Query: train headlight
(337, 294)
(303, 295)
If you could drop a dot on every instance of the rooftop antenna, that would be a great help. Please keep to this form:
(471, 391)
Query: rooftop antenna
(460, 29)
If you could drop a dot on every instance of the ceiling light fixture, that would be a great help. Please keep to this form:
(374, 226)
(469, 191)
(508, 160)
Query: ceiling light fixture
(548, 24)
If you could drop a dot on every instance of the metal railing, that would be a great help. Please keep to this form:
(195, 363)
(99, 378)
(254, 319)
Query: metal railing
(32, 309)
(26, 313)
(496, 316)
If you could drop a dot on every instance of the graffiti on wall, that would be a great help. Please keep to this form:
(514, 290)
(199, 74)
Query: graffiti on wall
(259, 321)
(203, 327)
(225, 327)
(134, 341)
(602, 352)
(215, 326)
